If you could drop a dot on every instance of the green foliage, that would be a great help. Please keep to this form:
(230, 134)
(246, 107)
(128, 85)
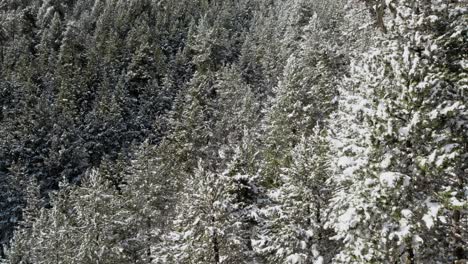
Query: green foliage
(248, 131)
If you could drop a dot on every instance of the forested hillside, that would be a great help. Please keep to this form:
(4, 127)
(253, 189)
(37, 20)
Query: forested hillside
(233, 131)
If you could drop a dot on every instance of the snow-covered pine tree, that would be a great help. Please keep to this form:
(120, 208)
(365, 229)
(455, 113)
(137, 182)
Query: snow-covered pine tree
(304, 99)
(294, 229)
(216, 217)
(359, 197)
(50, 45)
(238, 111)
(394, 205)
(263, 52)
(31, 197)
(191, 122)
(71, 88)
(244, 197)
(148, 192)
(95, 223)
(211, 197)
(198, 229)
(304, 94)
(43, 229)
(83, 225)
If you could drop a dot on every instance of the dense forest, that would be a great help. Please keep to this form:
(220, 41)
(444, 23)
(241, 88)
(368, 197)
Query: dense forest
(233, 131)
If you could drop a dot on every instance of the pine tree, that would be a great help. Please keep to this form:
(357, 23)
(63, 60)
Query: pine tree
(109, 97)
(146, 62)
(391, 207)
(205, 47)
(198, 227)
(191, 122)
(304, 95)
(147, 194)
(238, 109)
(83, 225)
(243, 198)
(215, 219)
(27, 192)
(72, 88)
(43, 227)
(49, 46)
(294, 231)
(260, 143)
(203, 228)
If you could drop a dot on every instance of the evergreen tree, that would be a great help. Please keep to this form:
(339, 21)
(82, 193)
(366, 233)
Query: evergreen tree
(391, 207)
(198, 227)
(49, 46)
(243, 196)
(294, 231)
(18, 190)
(78, 228)
(251, 131)
(304, 95)
(72, 88)
(148, 194)
(215, 219)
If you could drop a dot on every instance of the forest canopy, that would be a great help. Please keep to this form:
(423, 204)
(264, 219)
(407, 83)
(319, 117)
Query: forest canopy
(233, 131)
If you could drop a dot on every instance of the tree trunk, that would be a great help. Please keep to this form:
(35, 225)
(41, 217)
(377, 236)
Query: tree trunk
(149, 240)
(410, 258)
(318, 217)
(377, 11)
(2, 254)
(215, 243)
(457, 232)
(380, 12)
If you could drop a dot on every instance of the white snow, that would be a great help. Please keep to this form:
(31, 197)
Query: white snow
(455, 202)
(403, 231)
(294, 259)
(406, 55)
(386, 162)
(443, 219)
(431, 215)
(449, 109)
(348, 219)
(369, 182)
(415, 119)
(428, 220)
(389, 179)
(406, 213)
(449, 147)
(319, 260)
(433, 18)
(404, 131)
(345, 161)
(440, 161)
(309, 233)
(432, 157)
